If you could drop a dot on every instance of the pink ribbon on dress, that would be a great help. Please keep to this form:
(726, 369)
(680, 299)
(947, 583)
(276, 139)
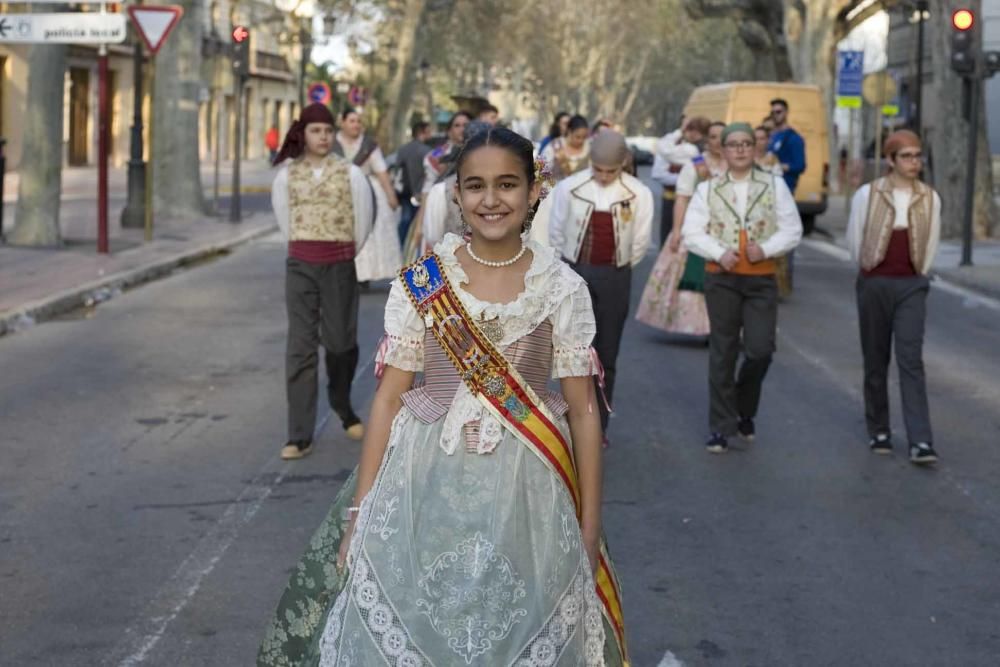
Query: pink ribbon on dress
(380, 353)
(597, 368)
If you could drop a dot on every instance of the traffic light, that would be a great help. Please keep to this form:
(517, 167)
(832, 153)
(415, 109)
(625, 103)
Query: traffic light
(991, 62)
(963, 57)
(241, 52)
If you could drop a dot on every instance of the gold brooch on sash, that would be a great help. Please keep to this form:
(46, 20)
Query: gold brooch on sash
(421, 278)
(491, 328)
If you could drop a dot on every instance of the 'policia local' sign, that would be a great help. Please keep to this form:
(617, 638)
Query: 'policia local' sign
(76, 28)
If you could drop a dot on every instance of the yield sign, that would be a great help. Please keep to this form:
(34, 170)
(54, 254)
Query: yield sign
(155, 23)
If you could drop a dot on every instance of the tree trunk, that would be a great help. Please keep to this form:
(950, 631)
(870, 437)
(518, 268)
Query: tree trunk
(811, 34)
(948, 134)
(177, 167)
(38, 190)
(392, 124)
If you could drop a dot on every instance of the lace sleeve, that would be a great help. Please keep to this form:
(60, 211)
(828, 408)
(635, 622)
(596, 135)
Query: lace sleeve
(403, 344)
(573, 330)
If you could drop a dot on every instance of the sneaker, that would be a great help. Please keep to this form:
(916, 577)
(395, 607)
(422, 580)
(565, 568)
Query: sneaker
(717, 444)
(881, 444)
(296, 450)
(355, 431)
(746, 428)
(922, 453)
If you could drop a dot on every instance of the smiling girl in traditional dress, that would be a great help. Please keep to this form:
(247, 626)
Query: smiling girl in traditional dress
(474, 531)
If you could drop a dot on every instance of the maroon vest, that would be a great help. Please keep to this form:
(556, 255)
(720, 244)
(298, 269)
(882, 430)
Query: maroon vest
(897, 262)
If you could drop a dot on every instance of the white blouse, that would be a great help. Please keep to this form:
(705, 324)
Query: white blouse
(552, 291)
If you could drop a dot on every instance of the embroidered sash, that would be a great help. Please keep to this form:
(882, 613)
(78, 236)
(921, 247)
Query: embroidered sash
(500, 388)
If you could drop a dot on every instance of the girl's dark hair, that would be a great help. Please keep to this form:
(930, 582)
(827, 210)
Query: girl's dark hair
(451, 121)
(347, 112)
(554, 130)
(501, 137)
(578, 122)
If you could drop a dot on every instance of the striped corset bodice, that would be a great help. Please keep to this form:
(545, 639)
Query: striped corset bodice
(531, 355)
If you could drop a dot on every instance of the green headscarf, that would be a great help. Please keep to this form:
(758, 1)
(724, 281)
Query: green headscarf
(737, 127)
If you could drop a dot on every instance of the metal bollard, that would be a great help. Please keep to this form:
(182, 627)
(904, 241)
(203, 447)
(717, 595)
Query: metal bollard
(3, 170)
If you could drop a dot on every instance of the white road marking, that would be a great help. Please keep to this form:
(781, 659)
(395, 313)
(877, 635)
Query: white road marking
(142, 636)
(670, 660)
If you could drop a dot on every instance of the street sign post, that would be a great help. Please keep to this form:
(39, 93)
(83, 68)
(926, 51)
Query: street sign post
(850, 74)
(319, 93)
(154, 24)
(99, 28)
(63, 28)
(879, 88)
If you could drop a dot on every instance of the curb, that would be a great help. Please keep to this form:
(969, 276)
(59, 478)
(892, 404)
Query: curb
(87, 294)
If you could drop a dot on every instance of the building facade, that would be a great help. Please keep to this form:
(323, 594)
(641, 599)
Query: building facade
(271, 95)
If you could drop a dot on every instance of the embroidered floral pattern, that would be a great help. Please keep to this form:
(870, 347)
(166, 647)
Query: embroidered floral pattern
(479, 584)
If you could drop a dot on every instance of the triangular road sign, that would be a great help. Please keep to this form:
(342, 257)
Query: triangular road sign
(154, 23)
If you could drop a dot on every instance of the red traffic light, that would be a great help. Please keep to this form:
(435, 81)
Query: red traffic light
(240, 34)
(963, 19)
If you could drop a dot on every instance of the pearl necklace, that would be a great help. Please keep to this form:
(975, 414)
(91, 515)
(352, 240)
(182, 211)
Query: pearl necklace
(496, 265)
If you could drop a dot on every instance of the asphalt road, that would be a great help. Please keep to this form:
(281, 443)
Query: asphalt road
(145, 518)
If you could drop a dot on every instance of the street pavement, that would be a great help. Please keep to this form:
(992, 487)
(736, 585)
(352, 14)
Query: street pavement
(145, 518)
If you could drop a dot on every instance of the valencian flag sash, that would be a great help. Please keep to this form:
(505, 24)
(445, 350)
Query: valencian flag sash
(500, 388)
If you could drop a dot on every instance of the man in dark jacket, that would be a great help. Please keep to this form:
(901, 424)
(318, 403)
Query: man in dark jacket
(410, 158)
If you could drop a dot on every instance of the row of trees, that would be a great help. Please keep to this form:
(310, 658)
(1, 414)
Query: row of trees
(632, 61)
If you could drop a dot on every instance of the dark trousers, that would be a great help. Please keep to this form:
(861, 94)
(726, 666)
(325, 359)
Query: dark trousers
(738, 304)
(322, 302)
(407, 211)
(666, 216)
(894, 309)
(610, 288)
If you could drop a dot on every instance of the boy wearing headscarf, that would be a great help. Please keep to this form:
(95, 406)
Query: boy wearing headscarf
(893, 234)
(740, 221)
(600, 222)
(324, 209)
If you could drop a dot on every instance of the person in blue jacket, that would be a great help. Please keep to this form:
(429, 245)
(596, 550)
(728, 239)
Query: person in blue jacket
(787, 145)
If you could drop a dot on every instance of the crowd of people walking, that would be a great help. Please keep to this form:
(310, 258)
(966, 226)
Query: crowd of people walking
(470, 533)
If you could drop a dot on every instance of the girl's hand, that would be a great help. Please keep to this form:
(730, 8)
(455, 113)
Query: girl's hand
(674, 241)
(345, 544)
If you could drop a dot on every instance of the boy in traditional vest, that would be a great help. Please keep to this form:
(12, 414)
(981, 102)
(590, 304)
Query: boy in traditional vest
(740, 222)
(324, 208)
(600, 222)
(893, 234)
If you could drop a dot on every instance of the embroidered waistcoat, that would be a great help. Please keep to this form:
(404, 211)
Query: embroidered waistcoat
(320, 209)
(760, 220)
(882, 215)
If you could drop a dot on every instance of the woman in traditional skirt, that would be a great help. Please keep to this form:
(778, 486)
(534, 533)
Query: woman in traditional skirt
(381, 257)
(673, 299)
(571, 153)
(470, 533)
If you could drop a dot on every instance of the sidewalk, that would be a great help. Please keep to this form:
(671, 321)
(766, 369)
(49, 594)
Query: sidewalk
(983, 276)
(41, 283)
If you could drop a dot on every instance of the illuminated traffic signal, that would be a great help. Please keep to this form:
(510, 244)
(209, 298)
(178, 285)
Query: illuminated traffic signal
(963, 58)
(241, 52)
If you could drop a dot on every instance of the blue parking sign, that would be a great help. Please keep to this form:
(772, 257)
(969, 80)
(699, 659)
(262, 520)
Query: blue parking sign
(850, 73)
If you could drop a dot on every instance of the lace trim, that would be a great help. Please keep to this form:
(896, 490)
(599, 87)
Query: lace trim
(547, 284)
(580, 606)
(402, 352)
(467, 410)
(572, 362)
